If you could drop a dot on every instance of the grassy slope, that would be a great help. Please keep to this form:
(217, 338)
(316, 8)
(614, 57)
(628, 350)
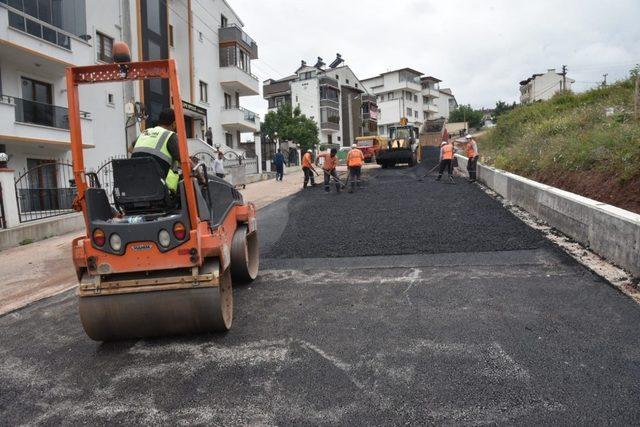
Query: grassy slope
(571, 142)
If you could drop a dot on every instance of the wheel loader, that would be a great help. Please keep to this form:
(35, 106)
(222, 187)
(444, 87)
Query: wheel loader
(152, 262)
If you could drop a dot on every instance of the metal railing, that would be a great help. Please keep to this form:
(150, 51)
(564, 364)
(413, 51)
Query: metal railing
(248, 115)
(39, 113)
(45, 191)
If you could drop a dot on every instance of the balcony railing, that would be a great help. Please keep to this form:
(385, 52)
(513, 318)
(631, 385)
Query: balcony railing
(329, 103)
(241, 69)
(248, 115)
(329, 126)
(233, 33)
(39, 113)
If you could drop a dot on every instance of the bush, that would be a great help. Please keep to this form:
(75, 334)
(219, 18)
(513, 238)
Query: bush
(569, 132)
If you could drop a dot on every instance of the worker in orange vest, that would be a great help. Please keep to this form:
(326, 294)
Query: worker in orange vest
(308, 169)
(355, 160)
(473, 155)
(446, 160)
(329, 169)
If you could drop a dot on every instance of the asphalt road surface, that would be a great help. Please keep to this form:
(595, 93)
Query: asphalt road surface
(407, 302)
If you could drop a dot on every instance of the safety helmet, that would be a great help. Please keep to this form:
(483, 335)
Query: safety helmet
(354, 145)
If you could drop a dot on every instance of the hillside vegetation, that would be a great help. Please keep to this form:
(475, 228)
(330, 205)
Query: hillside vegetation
(587, 143)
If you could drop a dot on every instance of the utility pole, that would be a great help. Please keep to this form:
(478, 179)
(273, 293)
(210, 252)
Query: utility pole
(637, 98)
(564, 77)
(604, 83)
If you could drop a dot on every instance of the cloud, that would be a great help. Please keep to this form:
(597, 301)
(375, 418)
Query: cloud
(481, 49)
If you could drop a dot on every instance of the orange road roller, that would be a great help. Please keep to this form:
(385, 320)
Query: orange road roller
(154, 262)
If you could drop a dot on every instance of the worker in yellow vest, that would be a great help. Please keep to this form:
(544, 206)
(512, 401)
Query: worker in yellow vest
(161, 144)
(355, 160)
(446, 160)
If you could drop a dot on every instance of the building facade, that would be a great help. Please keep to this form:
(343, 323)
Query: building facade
(38, 40)
(541, 87)
(446, 102)
(331, 96)
(399, 95)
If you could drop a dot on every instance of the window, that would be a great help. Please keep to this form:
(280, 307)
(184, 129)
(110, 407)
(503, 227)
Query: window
(408, 96)
(104, 44)
(228, 139)
(356, 84)
(409, 112)
(171, 35)
(390, 96)
(223, 21)
(415, 98)
(227, 101)
(337, 77)
(347, 81)
(415, 114)
(110, 99)
(204, 93)
(200, 36)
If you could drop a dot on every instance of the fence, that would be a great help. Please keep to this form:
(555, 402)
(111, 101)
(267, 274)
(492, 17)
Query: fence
(3, 221)
(45, 191)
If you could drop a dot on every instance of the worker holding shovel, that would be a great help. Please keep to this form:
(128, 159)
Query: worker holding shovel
(308, 169)
(446, 160)
(329, 169)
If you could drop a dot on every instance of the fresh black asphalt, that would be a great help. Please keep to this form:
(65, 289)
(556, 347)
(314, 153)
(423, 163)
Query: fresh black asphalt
(456, 313)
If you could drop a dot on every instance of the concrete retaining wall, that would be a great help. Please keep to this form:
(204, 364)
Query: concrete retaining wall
(611, 232)
(42, 229)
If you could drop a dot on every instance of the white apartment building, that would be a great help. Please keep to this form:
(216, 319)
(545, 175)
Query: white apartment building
(541, 87)
(331, 96)
(446, 102)
(39, 39)
(430, 97)
(399, 94)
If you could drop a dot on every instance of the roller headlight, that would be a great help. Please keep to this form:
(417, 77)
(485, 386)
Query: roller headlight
(164, 238)
(116, 242)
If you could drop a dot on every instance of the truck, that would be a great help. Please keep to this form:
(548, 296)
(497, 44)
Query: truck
(401, 147)
(371, 146)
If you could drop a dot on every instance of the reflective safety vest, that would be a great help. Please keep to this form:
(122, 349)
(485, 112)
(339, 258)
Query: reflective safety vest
(355, 158)
(154, 141)
(447, 152)
(471, 152)
(306, 160)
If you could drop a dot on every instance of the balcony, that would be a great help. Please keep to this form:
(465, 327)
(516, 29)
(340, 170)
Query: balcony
(329, 126)
(430, 93)
(278, 88)
(240, 119)
(234, 34)
(23, 36)
(23, 120)
(235, 79)
(430, 108)
(332, 103)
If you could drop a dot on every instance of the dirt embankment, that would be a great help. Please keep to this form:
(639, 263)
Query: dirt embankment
(603, 187)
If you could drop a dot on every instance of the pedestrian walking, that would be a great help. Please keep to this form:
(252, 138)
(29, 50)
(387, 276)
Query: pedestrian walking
(218, 166)
(308, 169)
(209, 136)
(446, 160)
(355, 160)
(278, 160)
(472, 155)
(329, 169)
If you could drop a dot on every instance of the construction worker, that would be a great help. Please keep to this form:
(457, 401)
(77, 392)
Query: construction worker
(161, 144)
(473, 155)
(355, 160)
(308, 169)
(329, 169)
(446, 160)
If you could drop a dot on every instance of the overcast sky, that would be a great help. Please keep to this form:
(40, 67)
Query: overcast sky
(480, 49)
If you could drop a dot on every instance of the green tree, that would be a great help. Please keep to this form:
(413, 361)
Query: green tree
(291, 125)
(501, 108)
(465, 112)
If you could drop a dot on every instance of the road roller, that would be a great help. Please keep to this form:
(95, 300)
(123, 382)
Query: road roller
(155, 262)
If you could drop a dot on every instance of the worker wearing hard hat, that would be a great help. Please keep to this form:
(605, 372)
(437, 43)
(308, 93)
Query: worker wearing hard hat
(473, 155)
(355, 160)
(308, 169)
(446, 160)
(329, 169)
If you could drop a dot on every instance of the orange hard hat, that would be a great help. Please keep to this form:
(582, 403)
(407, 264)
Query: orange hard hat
(121, 52)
